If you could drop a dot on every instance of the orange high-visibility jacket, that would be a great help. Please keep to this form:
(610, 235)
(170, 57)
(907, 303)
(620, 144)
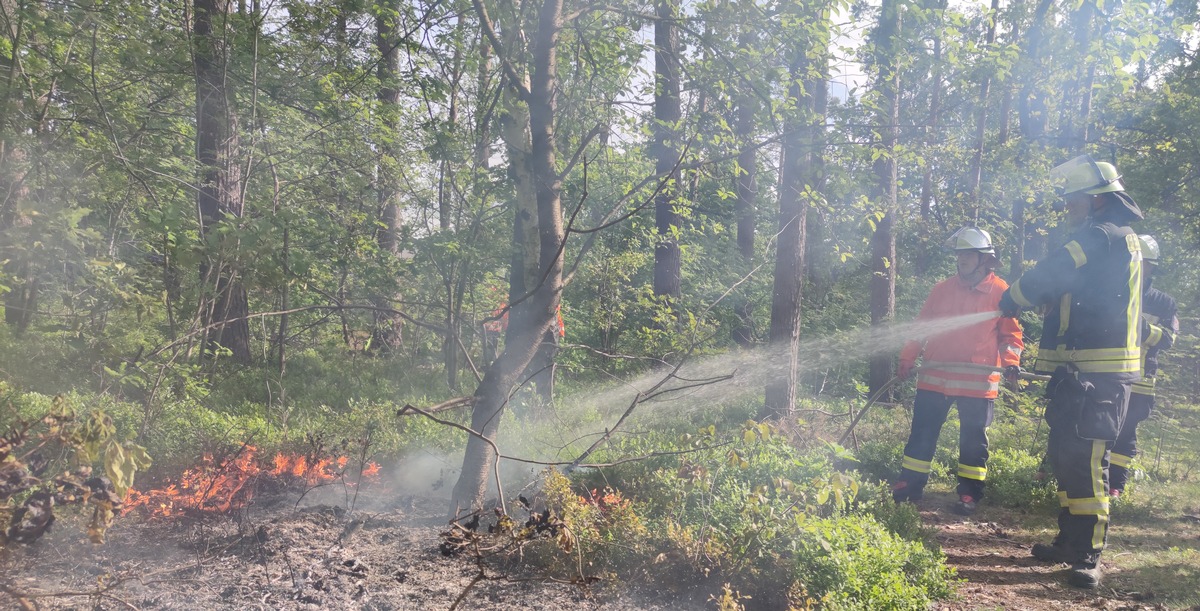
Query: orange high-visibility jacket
(965, 362)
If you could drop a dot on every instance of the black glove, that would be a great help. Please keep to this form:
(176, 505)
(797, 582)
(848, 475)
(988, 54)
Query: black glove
(1008, 307)
(1012, 374)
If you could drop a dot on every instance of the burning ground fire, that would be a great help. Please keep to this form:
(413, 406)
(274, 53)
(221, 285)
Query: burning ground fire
(218, 486)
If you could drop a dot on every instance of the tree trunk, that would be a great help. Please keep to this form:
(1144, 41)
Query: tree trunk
(745, 186)
(1031, 118)
(784, 335)
(668, 222)
(820, 281)
(525, 265)
(386, 331)
(20, 301)
(928, 186)
(1031, 105)
(985, 88)
(533, 316)
(220, 196)
(883, 240)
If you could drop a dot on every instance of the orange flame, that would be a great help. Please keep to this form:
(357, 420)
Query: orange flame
(217, 487)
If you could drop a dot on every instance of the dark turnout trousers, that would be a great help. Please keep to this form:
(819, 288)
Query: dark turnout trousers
(929, 414)
(1125, 449)
(1085, 416)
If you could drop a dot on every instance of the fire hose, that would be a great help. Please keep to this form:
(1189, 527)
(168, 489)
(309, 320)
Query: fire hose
(1024, 375)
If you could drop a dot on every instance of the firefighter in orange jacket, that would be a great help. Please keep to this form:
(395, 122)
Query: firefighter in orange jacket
(962, 368)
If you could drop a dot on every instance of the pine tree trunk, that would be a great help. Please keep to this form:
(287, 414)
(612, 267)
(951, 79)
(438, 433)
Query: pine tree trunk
(801, 175)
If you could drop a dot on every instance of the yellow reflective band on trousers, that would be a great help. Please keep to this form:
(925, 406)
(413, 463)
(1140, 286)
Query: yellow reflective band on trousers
(1097, 504)
(920, 466)
(1120, 460)
(971, 472)
(1062, 498)
(1077, 255)
(1145, 386)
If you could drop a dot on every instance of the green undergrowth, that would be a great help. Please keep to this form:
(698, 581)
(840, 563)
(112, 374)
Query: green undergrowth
(745, 518)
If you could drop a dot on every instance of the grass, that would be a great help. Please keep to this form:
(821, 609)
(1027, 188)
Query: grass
(1154, 546)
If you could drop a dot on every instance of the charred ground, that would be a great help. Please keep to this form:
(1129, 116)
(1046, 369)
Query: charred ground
(277, 554)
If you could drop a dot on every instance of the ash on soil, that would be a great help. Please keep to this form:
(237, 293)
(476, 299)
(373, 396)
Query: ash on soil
(277, 555)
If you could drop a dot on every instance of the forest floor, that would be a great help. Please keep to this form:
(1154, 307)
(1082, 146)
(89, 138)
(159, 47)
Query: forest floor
(1152, 561)
(281, 554)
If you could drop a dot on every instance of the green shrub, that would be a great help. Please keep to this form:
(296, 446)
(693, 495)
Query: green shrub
(901, 519)
(853, 562)
(749, 510)
(1012, 482)
(880, 460)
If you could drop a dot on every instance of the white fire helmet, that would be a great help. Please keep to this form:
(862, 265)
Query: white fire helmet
(1149, 249)
(971, 238)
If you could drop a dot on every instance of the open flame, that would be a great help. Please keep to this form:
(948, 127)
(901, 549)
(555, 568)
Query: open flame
(219, 486)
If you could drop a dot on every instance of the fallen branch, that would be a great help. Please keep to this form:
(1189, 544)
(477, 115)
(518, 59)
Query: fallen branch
(440, 407)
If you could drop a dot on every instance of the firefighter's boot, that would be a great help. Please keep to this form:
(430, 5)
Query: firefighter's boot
(1085, 574)
(1057, 552)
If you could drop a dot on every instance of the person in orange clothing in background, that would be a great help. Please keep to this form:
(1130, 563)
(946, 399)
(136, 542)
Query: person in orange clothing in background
(962, 367)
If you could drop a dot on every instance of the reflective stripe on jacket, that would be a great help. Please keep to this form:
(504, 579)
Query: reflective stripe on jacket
(1093, 287)
(966, 362)
(1160, 325)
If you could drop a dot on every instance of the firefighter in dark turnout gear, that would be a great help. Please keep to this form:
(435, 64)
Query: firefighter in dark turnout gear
(1092, 287)
(1160, 325)
(960, 368)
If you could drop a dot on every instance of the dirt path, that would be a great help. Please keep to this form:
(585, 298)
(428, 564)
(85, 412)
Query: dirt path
(993, 557)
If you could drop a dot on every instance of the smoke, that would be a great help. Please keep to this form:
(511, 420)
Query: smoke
(664, 396)
(553, 437)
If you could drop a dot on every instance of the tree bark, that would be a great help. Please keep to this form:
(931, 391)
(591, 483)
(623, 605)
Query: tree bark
(883, 240)
(745, 187)
(801, 172)
(386, 333)
(928, 186)
(784, 334)
(532, 316)
(668, 221)
(1077, 96)
(225, 305)
(1031, 119)
(20, 301)
(985, 88)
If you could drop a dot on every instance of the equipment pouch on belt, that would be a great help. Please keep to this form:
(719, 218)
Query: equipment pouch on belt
(1067, 397)
(1079, 406)
(1102, 415)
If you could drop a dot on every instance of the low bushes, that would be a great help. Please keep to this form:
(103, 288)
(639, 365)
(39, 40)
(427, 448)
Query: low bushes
(746, 513)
